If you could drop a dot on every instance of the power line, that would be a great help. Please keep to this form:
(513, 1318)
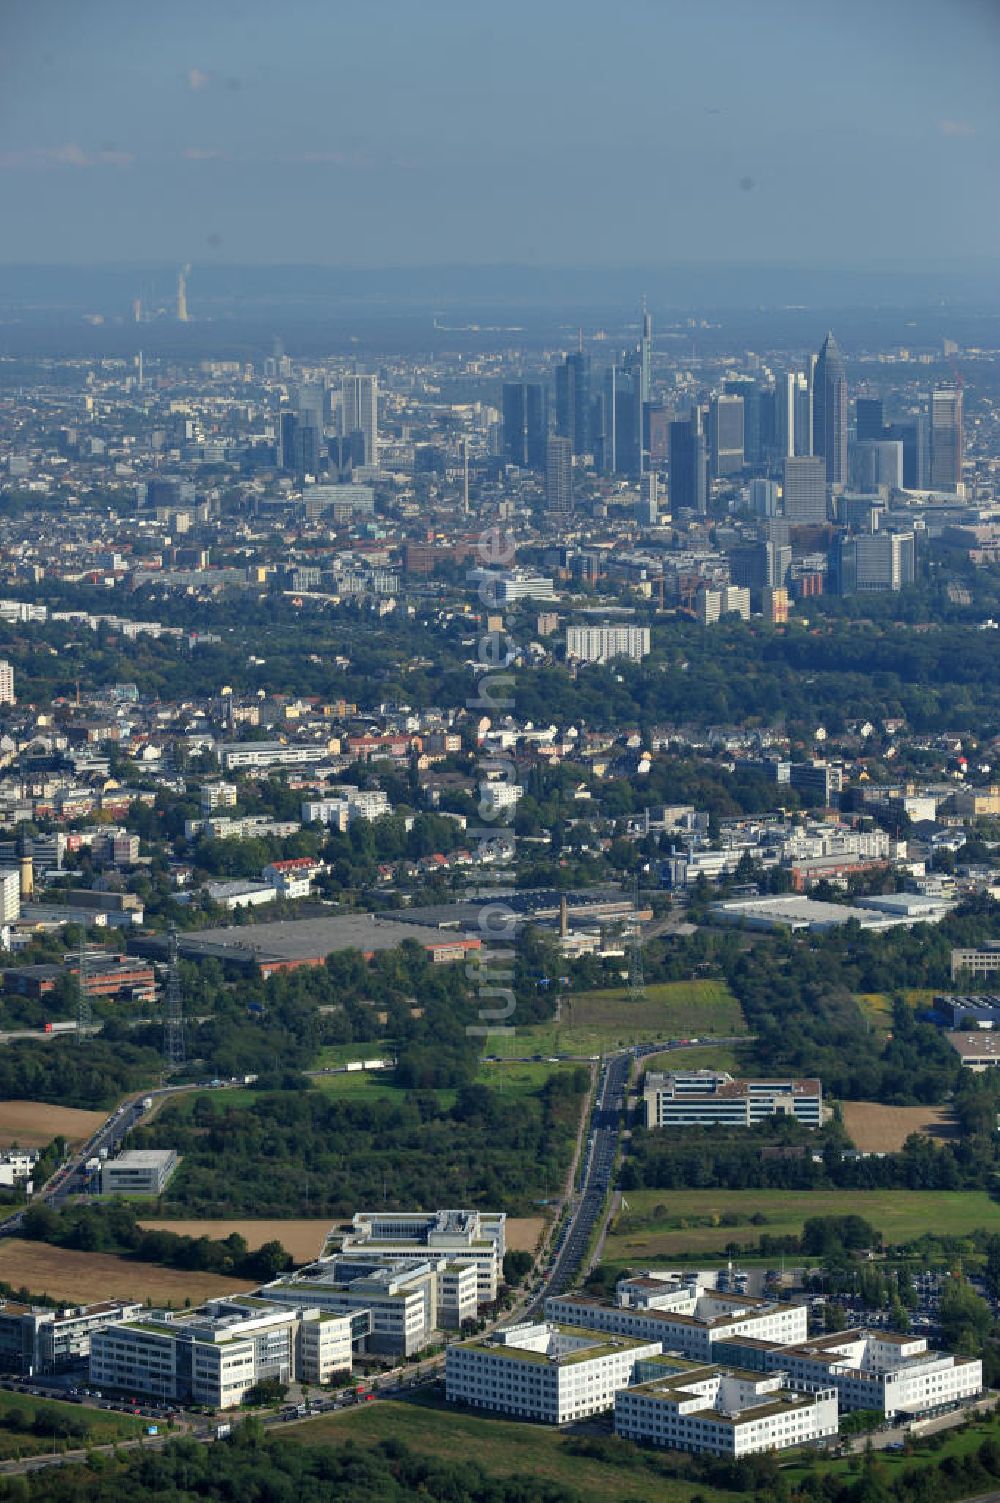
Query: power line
(174, 1050)
(84, 1013)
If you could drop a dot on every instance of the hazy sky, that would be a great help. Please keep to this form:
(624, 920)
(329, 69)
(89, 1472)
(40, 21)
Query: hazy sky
(573, 132)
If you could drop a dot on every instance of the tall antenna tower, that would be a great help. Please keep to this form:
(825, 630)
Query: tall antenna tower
(174, 1051)
(636, 975)
(84, 1014)
(182, 298)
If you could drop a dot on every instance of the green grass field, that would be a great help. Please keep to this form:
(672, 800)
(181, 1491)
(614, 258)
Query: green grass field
(667, 1223)
(596, 1022)
(502, 1447)
(101, 1426)
(698, 1057)
(892, 1463)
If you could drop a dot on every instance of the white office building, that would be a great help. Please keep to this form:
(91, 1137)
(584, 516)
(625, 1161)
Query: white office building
(477, 1237)
(681, 1317)
(33, 1340)
(7, 696)
(600, 644)
(891, 1373)
(705, 1098)
(398, 1301)
(553, 1373)
(214, 1355)
(687, 1406)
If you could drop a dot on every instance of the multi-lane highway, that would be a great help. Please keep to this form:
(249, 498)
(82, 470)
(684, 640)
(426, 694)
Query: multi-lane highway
(595, 1179)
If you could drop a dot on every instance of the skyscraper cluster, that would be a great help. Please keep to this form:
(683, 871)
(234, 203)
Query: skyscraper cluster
(792, 428)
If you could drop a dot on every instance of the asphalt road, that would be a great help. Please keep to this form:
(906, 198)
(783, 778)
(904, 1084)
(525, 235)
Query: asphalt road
(595, 1180)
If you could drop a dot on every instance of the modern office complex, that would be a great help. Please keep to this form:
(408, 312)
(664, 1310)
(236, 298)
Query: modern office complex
(681, 1316)
(214, 1355)
(478, 1237)
(33, 1340)
(705, 1098)
(138, 1171)
(548, 1372)
(884, 1371)
(409, 1298)
(687, 1406)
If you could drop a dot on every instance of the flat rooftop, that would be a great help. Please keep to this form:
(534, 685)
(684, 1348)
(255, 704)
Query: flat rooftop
(296, 941)
(797, 912)
(143, 1158)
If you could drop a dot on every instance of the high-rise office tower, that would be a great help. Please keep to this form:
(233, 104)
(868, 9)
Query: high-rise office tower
(804, 488)
(310, 404)
(764, 498)
(804, 413)
(359, 413)
(298, 444)
(559, 476)
(758, 566)
(913, 434)
(622, 419)
(725, 434)
(876, 465)
(525, 422)
(573, 401)
(946, 438)
(830, 411)
(647, 509)
(688, 465)
(784, 414)
(869, 415)
(646, 358)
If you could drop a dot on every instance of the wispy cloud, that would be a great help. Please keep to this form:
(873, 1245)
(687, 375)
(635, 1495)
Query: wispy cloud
(956, 128)
(197, 79)
(69, 154)
(203, 154)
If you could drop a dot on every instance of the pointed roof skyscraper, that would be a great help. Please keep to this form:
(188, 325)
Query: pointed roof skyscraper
(830, 411)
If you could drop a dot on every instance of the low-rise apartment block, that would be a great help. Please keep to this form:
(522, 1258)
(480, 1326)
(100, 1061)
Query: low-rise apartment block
(688, 1406)
(548, 1372)
(705, 1098)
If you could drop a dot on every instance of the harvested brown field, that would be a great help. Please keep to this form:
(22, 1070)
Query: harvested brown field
(35, 1123)
(81, 1277)
(303, 1239)
(523, 1233)
(874, 1128)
